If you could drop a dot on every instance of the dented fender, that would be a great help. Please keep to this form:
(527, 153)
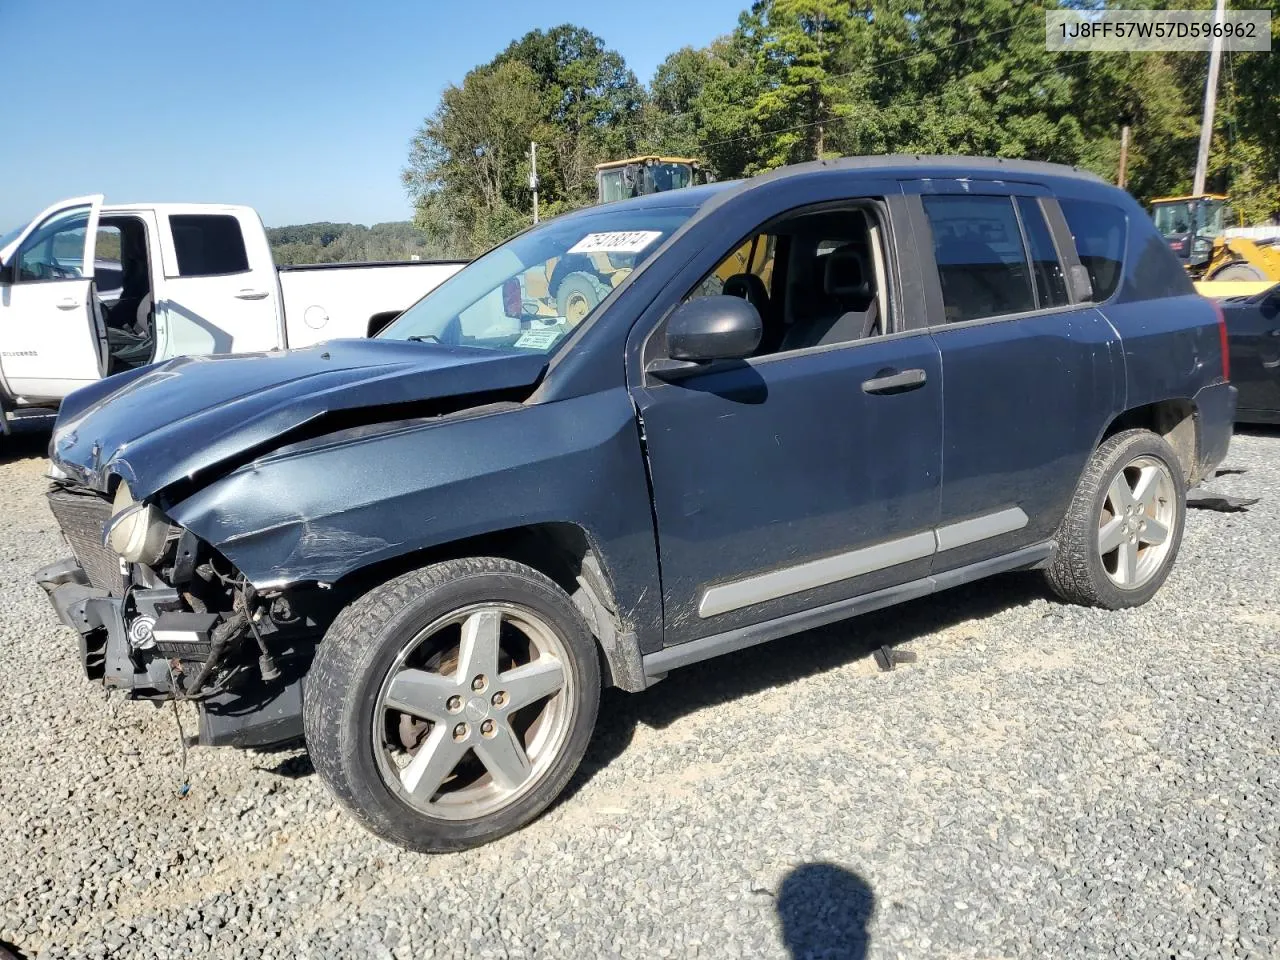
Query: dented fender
(321, 511)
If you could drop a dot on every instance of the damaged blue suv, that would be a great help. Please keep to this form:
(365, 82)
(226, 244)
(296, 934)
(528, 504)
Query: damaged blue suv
(629, 439)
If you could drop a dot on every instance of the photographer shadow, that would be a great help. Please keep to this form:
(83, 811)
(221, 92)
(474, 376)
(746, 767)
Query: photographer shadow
(825, 911)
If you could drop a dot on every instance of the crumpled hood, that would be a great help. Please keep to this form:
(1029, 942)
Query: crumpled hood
(159, 424)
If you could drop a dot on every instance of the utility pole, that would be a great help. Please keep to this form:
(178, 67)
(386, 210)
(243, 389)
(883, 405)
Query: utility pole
(533, 176)
(1123, 178)
(1210, 101)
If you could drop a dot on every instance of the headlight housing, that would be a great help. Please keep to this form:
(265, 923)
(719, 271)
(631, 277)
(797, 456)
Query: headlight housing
(138, 532)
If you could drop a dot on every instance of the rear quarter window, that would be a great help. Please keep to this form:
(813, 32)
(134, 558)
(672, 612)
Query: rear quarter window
(1100, 231)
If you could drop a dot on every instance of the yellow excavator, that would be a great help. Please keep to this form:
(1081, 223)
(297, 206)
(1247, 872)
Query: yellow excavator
(1195, 229)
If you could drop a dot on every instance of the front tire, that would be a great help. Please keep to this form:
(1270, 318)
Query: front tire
(1238, 271)
(578, 294)
(1121, 534)
(451, 705)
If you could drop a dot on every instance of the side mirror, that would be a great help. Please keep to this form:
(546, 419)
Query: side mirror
(706, 329)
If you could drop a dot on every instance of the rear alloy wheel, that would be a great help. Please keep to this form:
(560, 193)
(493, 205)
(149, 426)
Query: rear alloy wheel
(450, 706)
(1121, 534)
(1136, 522)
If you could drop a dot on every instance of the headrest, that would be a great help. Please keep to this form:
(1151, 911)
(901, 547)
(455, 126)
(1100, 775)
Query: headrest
(845, 273)
(748, 287)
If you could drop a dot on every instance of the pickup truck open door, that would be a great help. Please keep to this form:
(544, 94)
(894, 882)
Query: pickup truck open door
(52, 335)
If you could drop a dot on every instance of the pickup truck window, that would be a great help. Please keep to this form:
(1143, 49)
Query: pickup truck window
(1099, 231)
(982, 262)
(208, 245)
(530, 292)
(816, 278)
(55, 251)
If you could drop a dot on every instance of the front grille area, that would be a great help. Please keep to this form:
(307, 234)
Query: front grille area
(82, 514)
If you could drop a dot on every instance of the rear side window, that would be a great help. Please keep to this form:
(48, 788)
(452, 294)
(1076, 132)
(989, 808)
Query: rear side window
(1051, 283)
(1099, 232)
(208, 245)
(981, 260)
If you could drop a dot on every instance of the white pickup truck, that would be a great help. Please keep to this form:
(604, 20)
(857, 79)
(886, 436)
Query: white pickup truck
(88, 290)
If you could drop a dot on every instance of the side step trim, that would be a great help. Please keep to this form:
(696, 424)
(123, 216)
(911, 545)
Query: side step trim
(784, 582)
(681, 655)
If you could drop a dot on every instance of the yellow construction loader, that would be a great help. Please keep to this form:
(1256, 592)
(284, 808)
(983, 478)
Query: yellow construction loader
(640, 176)
(1195, 229)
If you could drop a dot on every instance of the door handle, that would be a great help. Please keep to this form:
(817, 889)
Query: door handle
(895, 382)
(251, 295)
(70, 303)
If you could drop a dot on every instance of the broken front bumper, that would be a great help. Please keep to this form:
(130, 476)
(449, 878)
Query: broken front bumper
(261, 718)
(98, 620)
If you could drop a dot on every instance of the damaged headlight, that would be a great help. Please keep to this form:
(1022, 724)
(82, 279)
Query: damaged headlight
(138, 532)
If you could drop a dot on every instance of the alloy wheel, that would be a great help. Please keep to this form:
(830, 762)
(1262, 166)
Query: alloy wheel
(473, 711)
(1135, 525)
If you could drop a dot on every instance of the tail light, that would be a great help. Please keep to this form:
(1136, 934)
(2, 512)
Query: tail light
(1222, 337)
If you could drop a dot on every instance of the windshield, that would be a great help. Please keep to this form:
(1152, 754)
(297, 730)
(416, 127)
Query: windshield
(1206, 216)
(1173, 219)
(671, 176)
(529, 293)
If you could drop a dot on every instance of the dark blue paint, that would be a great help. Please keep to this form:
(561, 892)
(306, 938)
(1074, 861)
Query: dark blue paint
(1253, 324)
(155, 426)
(753, 466)
(785, 459)
(1023, 400)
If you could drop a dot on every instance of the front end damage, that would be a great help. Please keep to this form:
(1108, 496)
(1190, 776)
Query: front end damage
(175, 620)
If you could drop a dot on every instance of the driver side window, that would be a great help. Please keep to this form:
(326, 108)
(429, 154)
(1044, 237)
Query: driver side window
(55, 251)
(817, 277)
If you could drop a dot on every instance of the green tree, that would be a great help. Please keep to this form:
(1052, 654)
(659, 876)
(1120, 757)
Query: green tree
(800, 47)
(467, 169)
(590, 106)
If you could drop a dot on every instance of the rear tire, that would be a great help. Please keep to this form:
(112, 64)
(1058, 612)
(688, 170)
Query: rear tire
(1121, 534)
(451, 705)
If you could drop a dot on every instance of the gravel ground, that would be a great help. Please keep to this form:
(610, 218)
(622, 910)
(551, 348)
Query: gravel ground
(1043, 781)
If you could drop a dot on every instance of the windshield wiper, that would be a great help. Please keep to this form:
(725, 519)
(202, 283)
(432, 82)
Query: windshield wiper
(424, 338)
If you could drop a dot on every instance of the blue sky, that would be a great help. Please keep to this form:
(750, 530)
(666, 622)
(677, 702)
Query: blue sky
(301, 109)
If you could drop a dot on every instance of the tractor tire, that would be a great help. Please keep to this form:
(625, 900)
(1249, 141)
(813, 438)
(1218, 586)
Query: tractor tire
(578, 294)
(1239, 271)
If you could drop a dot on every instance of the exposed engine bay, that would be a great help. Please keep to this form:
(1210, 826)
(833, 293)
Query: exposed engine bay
(163, 616)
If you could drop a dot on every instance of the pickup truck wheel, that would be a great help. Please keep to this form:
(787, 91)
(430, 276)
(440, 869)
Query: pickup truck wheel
(451, 705)
(1122, 531)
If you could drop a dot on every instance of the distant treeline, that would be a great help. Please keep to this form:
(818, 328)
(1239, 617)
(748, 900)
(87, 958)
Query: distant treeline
(350, 242)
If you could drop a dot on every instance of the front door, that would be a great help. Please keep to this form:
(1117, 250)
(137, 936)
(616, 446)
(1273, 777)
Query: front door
(52, 339)
(809, 473)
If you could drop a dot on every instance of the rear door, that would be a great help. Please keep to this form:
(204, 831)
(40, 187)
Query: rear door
(52, 339)
(220, 292)
(1031, 372)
